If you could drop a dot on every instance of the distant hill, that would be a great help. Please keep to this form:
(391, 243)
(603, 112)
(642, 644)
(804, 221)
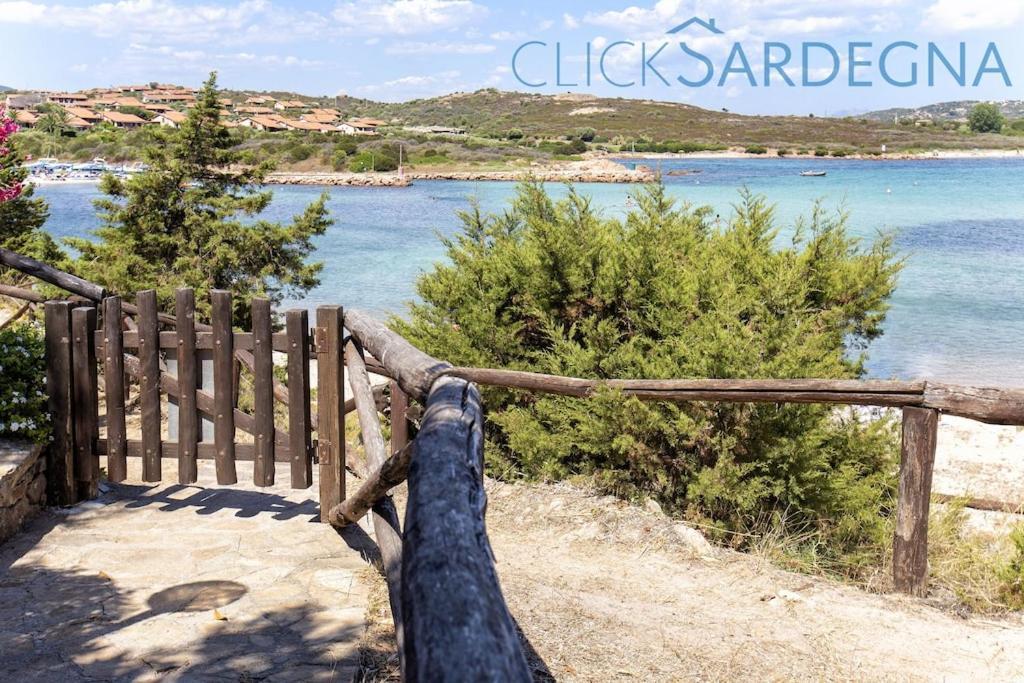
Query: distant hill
(494, 112)
(4, 88)
(944, 111)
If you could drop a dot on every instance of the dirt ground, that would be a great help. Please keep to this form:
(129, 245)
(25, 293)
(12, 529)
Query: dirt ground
(608, 591)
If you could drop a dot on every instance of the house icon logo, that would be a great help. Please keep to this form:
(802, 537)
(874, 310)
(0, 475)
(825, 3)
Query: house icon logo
(708, 25)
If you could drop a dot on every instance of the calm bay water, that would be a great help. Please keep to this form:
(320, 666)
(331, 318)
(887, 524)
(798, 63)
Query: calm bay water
(957, 315)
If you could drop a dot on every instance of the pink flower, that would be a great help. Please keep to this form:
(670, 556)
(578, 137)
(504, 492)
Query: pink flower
(9, 193)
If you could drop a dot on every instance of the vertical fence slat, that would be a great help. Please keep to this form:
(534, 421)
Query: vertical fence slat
(86, 398)
(149, 384)
(60, 479)
(263, 393)
(236, 379)
(188, 415)
(114, 390)
(399, 418)
(223, 386)
(297, 323)
(330, 406)
(910, 544)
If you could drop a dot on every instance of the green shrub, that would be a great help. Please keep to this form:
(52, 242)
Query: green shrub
(985, 117)
(339, 160)
(554, 287)
(821, 152)
(378, 159)
(585, 134)
(300, 152)
(23, 407)
(756, 149)
(361, 163)
(1011, 575)
(514, 134)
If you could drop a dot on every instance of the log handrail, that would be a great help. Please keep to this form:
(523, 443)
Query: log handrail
(47, 273)
(989, 405)
(454, 621)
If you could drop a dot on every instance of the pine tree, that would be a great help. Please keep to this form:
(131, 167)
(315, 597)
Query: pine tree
(192, 219)
(21, 214)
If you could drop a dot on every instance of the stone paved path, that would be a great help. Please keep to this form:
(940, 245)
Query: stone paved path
(177, 583)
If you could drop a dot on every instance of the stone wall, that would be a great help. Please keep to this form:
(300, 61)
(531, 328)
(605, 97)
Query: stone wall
(22, 484)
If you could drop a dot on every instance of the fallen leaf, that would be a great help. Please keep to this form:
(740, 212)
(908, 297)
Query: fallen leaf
(217, 616)
(105, 576)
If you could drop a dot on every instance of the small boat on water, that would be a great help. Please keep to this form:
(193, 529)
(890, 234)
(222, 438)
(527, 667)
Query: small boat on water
(813, 174)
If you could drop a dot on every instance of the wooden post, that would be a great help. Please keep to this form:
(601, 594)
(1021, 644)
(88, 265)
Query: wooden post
(114, 389)
(223, 386)
(188, 415)
(149, 386)
(910, 545)
(60, 474)
(330, 406)
(457, 627)
(86, 398)
(399, 418)
(263, 394)
(297, 322)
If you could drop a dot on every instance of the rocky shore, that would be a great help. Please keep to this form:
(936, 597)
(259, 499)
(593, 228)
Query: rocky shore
(587, 171)
(353, 179)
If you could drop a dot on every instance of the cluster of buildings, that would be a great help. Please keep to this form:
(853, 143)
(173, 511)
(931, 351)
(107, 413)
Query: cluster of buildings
(166, 105)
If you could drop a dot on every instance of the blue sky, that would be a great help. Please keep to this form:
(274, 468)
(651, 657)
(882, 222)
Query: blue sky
(403, 49)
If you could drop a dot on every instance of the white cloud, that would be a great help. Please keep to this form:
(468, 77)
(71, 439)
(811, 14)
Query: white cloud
(79, 68)
(147, 56)
(440, 48)
(570, 21)
(961, 15)
(508, 35)
(773, 19)
(241, 21)
(408, 87)
(21, 12)
(805, 25)
(638, 18)
(404, 17)
(245, 20)
(546, 24)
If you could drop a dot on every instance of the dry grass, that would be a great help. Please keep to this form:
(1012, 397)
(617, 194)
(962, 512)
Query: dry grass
(378, 660)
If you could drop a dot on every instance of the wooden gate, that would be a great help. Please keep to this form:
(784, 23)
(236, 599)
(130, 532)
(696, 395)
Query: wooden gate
(133, 343)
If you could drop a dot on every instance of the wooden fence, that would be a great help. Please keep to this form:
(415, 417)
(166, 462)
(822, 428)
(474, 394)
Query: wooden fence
(450, 617)
(78, 342)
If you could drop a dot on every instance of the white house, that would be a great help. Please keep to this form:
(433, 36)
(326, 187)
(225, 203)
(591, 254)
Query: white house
(171, 118)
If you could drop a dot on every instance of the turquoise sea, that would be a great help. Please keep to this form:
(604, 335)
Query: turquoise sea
(957, 315)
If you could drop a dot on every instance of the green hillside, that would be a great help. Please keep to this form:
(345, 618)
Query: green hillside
(494, 113)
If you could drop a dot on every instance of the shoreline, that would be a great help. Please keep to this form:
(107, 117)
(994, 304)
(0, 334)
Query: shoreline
(772, 153)
(595, 168)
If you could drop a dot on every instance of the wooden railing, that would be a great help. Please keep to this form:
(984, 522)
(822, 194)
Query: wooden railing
(450, 617)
